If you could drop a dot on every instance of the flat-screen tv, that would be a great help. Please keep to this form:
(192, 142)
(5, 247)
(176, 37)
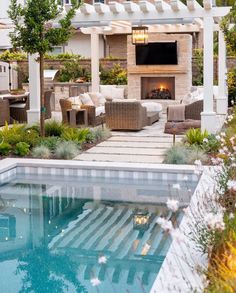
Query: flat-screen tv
(161, 53)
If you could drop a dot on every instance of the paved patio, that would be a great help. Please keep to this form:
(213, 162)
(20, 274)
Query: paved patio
(145, 146)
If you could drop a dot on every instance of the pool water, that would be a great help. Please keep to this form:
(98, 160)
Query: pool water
(54, 231)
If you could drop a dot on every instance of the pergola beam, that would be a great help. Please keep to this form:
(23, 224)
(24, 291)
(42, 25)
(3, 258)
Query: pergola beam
(133, 13)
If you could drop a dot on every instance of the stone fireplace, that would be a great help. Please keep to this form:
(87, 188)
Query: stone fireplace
(159, 88)
(161, 82)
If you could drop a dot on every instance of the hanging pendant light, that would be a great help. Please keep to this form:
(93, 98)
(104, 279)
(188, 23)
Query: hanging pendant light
(139, 35)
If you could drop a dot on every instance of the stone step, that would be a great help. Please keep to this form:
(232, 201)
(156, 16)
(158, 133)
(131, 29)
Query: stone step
(138, 144)
(120, 158)
(126, 151)
(163, 139)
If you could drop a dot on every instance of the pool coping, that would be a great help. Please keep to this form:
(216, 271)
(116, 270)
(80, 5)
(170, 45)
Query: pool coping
(9, 163)
(164, 281)
(183, 267)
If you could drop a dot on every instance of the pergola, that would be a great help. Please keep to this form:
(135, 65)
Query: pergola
(160, 17)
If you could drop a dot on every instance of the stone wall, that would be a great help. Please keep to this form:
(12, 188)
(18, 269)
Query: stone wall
(57, 64)
(117, 46)
(182, 72)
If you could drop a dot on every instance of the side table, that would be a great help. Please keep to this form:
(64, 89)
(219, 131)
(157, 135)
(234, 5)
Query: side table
(77, 117)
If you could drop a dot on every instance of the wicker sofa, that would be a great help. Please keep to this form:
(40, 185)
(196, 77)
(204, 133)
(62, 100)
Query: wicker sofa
(125, 115)
(192, 115)
(4, 112)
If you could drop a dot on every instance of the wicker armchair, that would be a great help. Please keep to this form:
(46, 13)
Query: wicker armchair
(192, 119)
(125, 115)
(18, 111)
(4, 112)
(65, 106)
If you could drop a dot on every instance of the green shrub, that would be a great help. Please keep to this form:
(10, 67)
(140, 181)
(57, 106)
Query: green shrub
(117, 75)
(5, 148)
(66, 150)
(13, 134)
(19, 133)
(196, 153)
(72, 70)
(31, 137)
(231, 81)
(76, 135)
(54, 128)
(22, 149)
(211, 144)
(198, 57)
(41, 152)
(62, 56)
(99, 134)
(13, 56)
(176, 155)
(50, 142)
(195, 136)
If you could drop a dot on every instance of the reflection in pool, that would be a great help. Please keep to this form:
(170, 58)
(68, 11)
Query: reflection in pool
(57, 236)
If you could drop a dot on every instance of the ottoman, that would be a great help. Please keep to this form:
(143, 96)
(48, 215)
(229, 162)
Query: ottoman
(181, 127)
(153, 111)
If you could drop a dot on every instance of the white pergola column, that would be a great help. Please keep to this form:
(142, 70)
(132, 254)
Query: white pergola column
(33, 114)
(222, 98)
(208, 116)
(95, 61)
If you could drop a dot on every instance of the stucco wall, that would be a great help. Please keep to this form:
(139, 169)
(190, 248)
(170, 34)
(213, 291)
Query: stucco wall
(80, 44)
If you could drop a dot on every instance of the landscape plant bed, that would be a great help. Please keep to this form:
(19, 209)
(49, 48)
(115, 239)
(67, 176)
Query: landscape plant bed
(198, 145)
(60, 141)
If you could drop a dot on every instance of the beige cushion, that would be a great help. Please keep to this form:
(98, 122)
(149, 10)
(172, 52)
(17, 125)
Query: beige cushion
(152, 106)
(97, 98)
(100, 110)
(199, 97)
(187, 99)
(75, 100)
(118, 93)
(124, 100)
(18, 105)
(86, 99)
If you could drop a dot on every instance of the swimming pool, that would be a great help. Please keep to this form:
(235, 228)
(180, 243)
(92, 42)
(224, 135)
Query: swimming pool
(59, 232)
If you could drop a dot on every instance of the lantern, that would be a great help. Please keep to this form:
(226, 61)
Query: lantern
(140, 35)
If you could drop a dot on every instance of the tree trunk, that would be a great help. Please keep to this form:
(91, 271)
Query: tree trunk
(42, 100)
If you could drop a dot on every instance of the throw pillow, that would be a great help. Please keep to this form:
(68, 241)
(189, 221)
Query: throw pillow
(106, 90)
(86, 99)
(97, 99)
(75, 100)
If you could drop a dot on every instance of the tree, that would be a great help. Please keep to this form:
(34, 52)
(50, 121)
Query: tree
(34, 33)
(228, 25)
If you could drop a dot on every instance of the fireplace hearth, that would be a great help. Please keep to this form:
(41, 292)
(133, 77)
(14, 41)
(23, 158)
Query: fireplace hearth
(158, 88)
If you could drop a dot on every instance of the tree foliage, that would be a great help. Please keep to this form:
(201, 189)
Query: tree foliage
(33, 25)
(38, 27)
(228, 25)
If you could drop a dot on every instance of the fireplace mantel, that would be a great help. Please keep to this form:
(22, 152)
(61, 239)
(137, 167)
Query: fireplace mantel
(155, 70)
